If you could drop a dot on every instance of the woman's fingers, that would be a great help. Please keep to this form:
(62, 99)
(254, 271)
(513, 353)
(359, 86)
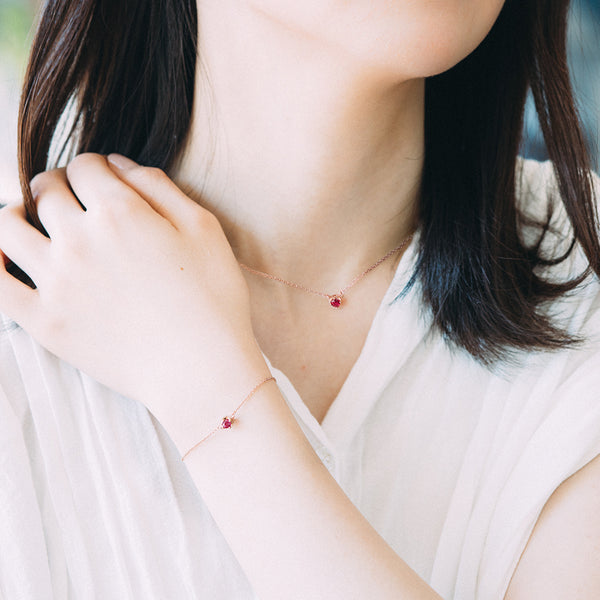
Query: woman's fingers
(21, 242)
(157, 189)
(57, 206)
(116, 181)
(96, 186)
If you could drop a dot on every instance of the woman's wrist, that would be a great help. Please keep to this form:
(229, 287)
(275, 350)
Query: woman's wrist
(229, 420)
(195, 402)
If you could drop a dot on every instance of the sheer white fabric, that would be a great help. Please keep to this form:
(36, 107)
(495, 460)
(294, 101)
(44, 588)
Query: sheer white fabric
(451, 462)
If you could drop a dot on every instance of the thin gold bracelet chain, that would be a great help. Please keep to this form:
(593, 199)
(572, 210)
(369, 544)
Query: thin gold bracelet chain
(228, 421)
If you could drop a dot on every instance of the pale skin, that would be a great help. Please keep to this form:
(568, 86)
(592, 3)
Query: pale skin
(316, 148)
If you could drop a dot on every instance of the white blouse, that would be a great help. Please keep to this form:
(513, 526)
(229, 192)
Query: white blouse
(451, 462)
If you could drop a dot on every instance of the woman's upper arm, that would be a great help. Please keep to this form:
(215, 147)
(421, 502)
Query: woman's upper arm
(562, 557)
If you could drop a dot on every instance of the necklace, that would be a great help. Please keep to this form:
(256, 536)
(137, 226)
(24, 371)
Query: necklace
(335, 300)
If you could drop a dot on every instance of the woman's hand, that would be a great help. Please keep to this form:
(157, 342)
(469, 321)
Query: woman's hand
(137, 286)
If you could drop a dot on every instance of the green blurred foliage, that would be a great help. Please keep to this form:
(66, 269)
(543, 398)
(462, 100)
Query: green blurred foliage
(16, 18)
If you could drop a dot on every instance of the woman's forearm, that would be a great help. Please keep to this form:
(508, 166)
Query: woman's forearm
(292, 528)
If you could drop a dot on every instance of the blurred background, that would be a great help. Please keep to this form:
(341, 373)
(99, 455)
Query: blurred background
(16, 31)
(584, 59)
(16, 17)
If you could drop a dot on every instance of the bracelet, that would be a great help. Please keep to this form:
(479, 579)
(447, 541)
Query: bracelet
(229, 420)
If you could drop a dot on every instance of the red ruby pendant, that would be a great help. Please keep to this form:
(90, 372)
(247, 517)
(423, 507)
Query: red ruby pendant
(226, 423)
(335, 301)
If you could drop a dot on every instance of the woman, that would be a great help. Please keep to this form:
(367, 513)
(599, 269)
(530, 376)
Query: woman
(434, 426)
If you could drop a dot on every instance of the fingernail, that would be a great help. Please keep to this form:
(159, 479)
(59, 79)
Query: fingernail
(121, 162)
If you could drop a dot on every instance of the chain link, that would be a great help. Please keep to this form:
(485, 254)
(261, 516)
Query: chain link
(339, 294)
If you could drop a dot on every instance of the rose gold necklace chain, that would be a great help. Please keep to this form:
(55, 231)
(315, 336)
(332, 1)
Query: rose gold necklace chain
(335, 300)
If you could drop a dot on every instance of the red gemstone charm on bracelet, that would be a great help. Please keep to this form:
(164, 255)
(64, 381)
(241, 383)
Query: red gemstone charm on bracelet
(227, 422)
(335, 301)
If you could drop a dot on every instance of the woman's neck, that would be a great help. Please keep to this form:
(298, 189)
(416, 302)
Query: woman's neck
(311, 162)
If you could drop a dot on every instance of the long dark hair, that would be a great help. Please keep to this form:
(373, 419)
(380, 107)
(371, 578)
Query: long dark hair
(128, 74)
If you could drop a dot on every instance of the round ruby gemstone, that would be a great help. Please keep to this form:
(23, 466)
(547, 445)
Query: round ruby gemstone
(226, 423)
(335, 301)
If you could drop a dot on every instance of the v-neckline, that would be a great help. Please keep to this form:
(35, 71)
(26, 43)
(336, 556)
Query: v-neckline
(329, 428)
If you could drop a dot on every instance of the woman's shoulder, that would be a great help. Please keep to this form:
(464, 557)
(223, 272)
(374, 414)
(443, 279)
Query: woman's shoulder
(537, 182)
(539, 198)
(545, 224)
